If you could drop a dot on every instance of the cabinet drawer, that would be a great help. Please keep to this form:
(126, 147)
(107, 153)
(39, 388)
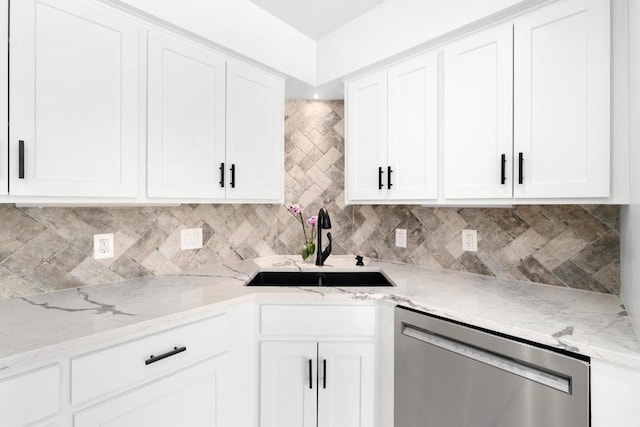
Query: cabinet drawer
(30, 397)
(115, 367)
(318, 320)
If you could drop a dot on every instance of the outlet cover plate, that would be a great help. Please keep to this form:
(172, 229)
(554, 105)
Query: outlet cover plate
(470, 240)
(103, 246)
(190, 238)
(401, 238)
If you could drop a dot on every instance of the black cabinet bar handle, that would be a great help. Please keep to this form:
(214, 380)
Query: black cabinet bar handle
(222, 175)
(233, 176)
(154, 359)
(520, 168)
(503, 162)
(310, 374)
(21, 159)
(389, 184)
(380, 172)
(324, 373)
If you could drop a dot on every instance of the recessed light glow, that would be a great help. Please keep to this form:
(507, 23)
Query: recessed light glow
(316, 96)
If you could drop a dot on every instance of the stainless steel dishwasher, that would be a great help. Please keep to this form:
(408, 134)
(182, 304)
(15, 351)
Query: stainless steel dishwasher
(450, 374)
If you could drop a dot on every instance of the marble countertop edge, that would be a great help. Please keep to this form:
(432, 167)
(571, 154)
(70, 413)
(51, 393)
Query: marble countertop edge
(579, 321)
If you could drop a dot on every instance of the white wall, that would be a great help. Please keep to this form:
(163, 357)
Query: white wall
(243, 27)
(630, 215)
(396, 26)
(390, 29)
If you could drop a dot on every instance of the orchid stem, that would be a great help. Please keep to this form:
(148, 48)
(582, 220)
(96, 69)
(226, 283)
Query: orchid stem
(304, 230)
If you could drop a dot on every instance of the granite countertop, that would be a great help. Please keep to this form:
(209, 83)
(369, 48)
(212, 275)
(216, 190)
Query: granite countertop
(584, 322)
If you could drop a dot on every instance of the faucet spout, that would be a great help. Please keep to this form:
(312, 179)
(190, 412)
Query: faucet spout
(324, 223)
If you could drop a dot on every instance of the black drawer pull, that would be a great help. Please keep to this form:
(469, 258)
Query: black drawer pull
(324, 373)
(389, 184)
(520, 168)
(222, 175)
(233, 176)
(310, 374)
(154, 359)
(503, 172)
(21, 159)
(380, 172)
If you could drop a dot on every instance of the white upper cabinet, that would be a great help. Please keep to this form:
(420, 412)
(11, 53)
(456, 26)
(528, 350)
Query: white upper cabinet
(186, 118)
(392, 133)
(562, 100)
(255, 135)
(366, 137)
(4, 105)
(412, 152)
(73, 100)
(478, 80)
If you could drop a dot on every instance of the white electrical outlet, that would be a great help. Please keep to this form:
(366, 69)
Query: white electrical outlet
(103, 246)
(401, 238)
(190, 238)
(470, 240)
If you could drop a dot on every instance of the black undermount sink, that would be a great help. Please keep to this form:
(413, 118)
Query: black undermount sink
(320, 278)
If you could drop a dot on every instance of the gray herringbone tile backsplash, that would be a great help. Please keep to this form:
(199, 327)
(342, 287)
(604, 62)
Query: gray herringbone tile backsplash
(51, 248)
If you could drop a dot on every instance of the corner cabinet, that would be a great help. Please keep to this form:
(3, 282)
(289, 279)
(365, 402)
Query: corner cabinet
(216, 126)
(74, 93)
(318, 365)
(392, 133)
(325, 384)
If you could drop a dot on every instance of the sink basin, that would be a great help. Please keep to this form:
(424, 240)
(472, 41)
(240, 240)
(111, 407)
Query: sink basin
(320, 278)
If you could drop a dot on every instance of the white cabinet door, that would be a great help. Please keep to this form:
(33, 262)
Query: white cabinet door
(614, 395)
(30, 397)
(478, 119)
(413, 129)
(366, 138)
(74, 99)
(255, 135)
(192, 397)
(186, 119)
(562, 100)
(305, 382)
(4, 98)
(288, 384)
(346, 384)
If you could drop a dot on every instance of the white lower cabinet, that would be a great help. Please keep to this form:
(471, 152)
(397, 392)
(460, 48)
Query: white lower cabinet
(328, 384)
(30, 397)
(614, 395)
(192, 397)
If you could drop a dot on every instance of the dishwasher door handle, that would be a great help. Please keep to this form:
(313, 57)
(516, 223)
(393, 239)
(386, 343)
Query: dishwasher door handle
(507, 364)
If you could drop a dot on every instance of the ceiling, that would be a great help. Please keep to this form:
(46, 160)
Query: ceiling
(316, 18)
